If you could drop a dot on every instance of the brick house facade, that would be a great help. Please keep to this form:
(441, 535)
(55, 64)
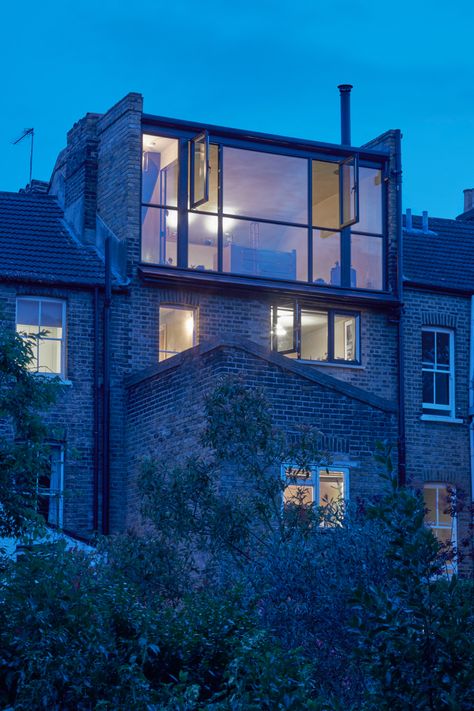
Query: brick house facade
(323, 339)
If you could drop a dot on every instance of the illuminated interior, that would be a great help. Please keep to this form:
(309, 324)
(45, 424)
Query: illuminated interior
(258, 219)
(177, 331)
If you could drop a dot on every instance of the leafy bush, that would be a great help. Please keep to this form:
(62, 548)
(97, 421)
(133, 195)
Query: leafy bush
(228, 603)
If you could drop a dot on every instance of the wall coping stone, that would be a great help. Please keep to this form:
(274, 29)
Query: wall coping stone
(308, 372)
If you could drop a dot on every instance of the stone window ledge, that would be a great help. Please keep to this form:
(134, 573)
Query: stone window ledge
(442, 418)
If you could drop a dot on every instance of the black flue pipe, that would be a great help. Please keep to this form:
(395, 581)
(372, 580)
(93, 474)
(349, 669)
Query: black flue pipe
(345, 92)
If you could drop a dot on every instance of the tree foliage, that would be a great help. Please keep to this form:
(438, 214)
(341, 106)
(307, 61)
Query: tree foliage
(24, 454)
(229, 602)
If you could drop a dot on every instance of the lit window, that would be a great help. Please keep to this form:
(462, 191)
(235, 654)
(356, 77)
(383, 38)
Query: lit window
(42, 323)
(310, 335)
(314, 486)
(262, 213)
(177, 330)
(50, 489)
(438, 502)
(438, 371)
(160, 200)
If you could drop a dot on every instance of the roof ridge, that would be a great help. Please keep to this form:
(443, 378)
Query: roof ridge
(306, 371)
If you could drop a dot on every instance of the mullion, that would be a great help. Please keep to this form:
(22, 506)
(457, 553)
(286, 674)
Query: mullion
(330, 335)
(182, 247)
(310, 221)
(220, 203)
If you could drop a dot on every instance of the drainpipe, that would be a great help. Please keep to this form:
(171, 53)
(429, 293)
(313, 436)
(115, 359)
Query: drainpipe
(471, 397)
(95, 499)
(106, 393)
(402, 476)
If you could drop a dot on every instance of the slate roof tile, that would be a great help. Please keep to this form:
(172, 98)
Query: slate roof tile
(445, 258)
(36, 244)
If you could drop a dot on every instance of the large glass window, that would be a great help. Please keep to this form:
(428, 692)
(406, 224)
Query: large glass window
(265, 185)
(327, 257)
(42, 323)
(366, 262)
(437, 357)
(160, 200)
(262, 214)
(316, 335)
(265, 250)
(177, 330)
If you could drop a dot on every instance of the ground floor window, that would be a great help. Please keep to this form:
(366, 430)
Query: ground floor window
(439, 516)
(314, 486)
(177, 330)
(325, 335)
(50, 488)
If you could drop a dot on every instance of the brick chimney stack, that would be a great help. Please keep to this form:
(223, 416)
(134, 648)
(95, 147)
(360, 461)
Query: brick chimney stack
(468, 199)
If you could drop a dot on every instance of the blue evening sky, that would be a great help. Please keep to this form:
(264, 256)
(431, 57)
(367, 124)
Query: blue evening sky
(267, 65)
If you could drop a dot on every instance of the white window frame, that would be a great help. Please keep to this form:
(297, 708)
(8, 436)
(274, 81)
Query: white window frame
(62, 340)
(177, 307)
(444, 410)
(439, 526)
(314, 478)
(56, 493)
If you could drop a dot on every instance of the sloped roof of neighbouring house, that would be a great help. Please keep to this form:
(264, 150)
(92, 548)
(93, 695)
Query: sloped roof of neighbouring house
(36, 244)
(441, 257)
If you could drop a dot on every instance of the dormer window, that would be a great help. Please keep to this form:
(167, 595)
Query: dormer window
(262, 211)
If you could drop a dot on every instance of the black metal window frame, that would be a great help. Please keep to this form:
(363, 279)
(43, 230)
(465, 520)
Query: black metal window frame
(345, 231)
(297, 307)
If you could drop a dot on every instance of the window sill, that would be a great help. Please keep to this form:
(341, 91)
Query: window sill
(442, 418)
(50, 376)
(329, 364)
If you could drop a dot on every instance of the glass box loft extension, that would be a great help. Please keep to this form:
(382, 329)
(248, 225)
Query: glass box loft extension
(263, 207)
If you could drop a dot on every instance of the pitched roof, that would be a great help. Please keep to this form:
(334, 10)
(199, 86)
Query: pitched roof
(441, 257)
(305, 371)
(36, 244)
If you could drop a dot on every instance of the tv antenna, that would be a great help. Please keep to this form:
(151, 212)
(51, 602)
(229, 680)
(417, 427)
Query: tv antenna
(28, 132)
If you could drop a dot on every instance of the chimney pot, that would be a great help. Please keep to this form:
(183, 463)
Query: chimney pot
(425, 220)
(345, 93)
(468, 199)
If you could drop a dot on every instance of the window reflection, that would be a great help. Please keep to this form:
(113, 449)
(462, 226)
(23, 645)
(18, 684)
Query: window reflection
(326, 194)
(211, 204)
(274, 187)
(370, 200)
(265, 250)
(366, 262)
(326, 257)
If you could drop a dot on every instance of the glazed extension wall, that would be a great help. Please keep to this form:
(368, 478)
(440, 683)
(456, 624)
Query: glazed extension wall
(165, 413)
(71, 419)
